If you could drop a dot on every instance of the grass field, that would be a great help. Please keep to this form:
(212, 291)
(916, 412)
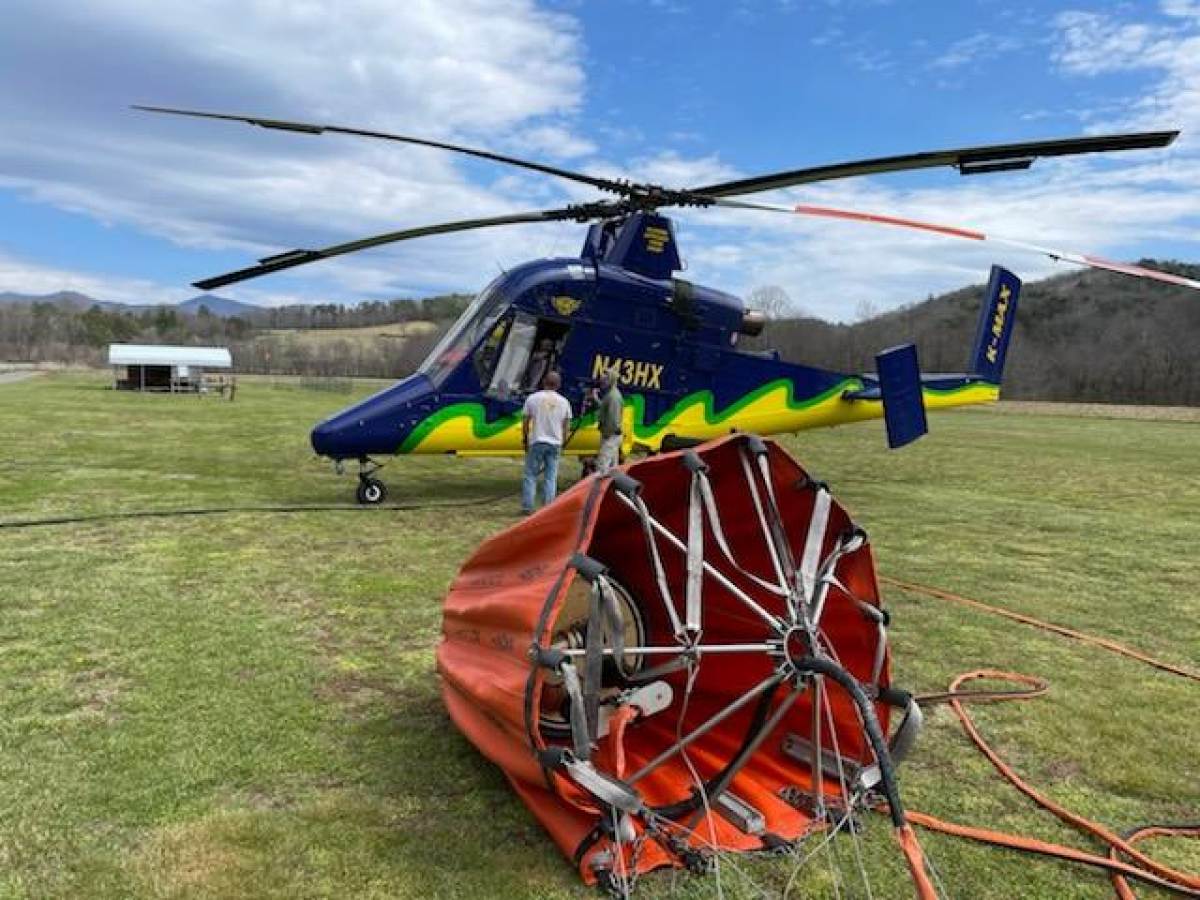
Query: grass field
(244, 705)
(397, 331)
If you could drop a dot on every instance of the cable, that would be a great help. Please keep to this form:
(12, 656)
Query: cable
(232, 510)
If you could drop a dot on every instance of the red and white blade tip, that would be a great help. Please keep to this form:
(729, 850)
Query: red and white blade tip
(1082, 259)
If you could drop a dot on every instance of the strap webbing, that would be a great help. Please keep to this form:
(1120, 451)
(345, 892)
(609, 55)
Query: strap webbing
(762, 520)
(660, 575)
(714, 520)
(605, 631)
(775, 520)
(818, 523)
(614, 623)
(695, 557)
(593, 664)
(579, 732)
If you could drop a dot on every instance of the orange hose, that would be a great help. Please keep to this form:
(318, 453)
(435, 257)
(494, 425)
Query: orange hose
(1044, 848)
(1143, 867)
(614, 747)
(1105, 643)
(1119, 883)
(915, 857)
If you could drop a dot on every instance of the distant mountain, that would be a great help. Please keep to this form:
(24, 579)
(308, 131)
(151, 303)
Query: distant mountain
(218, 306)
(64, 299)
(1083, 335)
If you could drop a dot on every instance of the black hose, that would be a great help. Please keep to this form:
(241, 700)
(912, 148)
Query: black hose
(715, 785)
(820, 666)
(887, 769)
(232, 510)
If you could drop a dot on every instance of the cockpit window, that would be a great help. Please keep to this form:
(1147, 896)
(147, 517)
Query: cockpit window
(480, 318)
(508, 378)
(485, 356)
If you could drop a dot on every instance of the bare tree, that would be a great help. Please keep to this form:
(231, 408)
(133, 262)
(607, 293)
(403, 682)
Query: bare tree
(866, 309)
(773, 301)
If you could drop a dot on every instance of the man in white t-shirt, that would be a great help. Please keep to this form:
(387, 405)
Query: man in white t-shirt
(544, 429)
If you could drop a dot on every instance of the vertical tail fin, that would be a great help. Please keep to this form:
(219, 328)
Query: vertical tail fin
(996, 322)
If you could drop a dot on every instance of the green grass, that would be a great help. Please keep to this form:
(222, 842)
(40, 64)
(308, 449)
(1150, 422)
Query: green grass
(245, 705)
(369, 335)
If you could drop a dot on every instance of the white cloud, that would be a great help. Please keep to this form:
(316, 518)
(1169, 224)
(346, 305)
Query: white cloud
(22, 276)
(974, 49)
(382, 62)
(830, 267)
(507, 76)
(554, 142)
(1183, 9)
(491, 72)
(1095, 44)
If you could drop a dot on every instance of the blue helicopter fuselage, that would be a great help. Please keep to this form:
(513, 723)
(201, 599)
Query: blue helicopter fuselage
(673, 345)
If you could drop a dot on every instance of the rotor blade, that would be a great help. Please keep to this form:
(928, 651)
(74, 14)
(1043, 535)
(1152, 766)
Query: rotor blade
(603, 184)
(293, 258)
(969, 161)
(1082, 259)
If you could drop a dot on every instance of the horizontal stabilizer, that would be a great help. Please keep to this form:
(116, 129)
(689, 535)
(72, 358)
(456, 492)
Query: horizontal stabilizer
(903, 398)
(870, 392)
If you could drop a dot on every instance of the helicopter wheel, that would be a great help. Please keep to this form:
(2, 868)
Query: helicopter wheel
(370, 492)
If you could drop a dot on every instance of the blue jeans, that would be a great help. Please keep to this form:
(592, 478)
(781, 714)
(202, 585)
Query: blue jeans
(540, 459)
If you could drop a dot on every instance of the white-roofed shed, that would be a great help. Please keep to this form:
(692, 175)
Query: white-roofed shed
(160, 367)
(162, 355)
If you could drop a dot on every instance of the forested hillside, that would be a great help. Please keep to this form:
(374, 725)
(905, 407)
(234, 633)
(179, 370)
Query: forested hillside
(73, 329)
(1083, 336)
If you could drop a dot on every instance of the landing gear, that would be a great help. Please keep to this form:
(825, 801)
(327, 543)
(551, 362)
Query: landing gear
(370, 491)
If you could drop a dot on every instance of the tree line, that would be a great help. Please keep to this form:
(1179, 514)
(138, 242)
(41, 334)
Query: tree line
(266, 341)
(1086, 336)
(441, 308)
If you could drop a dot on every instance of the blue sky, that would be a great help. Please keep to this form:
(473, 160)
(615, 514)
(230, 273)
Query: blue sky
(133, 207)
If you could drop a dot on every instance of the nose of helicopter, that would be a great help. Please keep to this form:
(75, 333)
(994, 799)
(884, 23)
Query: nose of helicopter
(377, 425)
(325, 439)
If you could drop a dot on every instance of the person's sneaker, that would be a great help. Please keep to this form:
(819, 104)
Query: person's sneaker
(527, 512)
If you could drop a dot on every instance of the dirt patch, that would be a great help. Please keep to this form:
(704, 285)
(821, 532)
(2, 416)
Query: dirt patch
(192, 859)
(10, 377)
(361, 696)
(1099, 410)
(1062, 769)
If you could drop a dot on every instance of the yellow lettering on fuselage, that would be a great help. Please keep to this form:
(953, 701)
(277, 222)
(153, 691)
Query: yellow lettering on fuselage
(630, 372)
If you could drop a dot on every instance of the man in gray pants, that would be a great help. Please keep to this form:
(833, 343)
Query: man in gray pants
(608, 417)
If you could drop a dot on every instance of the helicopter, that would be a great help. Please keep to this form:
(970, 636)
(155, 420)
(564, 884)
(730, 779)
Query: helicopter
(621, 306)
